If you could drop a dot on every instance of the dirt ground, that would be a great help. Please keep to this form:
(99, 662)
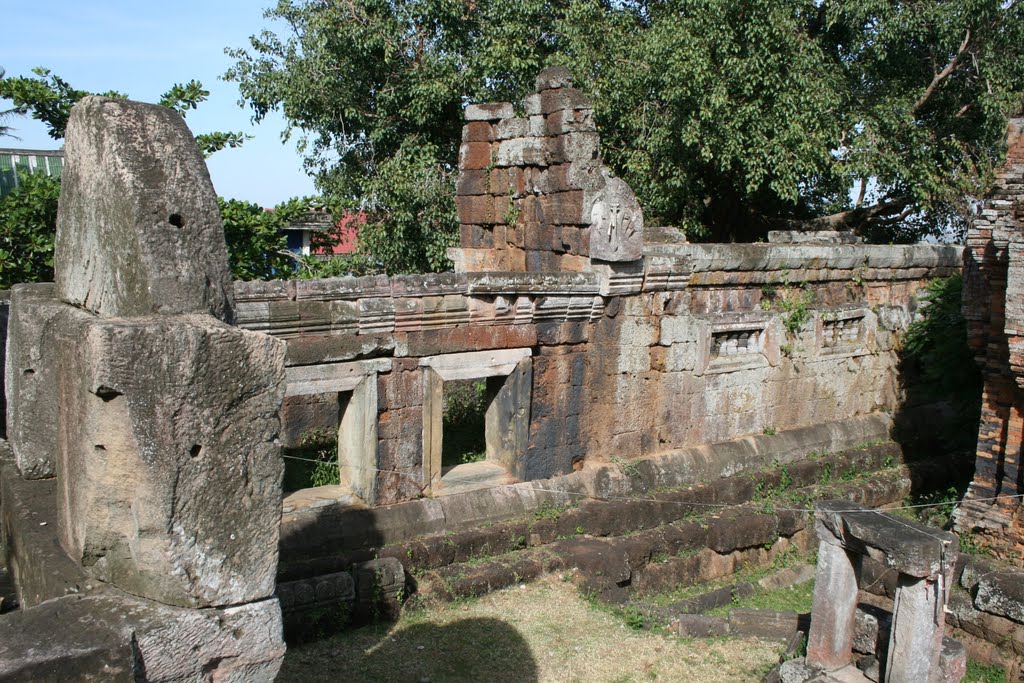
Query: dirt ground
(544, 632)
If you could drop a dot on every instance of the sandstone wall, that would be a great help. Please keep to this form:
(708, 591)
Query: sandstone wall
(701, 343)
(993, 289)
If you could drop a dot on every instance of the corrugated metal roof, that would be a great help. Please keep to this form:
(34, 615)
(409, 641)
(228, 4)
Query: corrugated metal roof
(12, 161)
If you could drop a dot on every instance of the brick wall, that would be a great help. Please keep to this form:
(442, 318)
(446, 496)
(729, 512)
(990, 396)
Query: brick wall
(529, 184)
(994, 308)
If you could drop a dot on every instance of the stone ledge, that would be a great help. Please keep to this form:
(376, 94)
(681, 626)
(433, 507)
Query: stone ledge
(706, 258)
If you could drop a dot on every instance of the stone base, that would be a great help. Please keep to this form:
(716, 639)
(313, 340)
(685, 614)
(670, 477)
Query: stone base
(109, 636)
(168, 460)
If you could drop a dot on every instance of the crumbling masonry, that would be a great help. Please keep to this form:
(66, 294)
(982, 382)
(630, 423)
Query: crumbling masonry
(994, 309)
(148, 395)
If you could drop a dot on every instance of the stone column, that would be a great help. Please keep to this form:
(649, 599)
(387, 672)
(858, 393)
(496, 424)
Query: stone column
(167, 455)
(834, 606)
(918, 624)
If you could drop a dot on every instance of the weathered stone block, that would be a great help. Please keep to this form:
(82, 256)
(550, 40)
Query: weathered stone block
(472, 183)
(30, 379)
(1002, 593)
(475, 210)
(521, 152)
(168, 457)
(138, 228)
(488, 112)
(834, 610)
(111, 637)
(909, 547)
(512, 128)
(915, 641)
(478, 131)
(474, 155)
(553, 77)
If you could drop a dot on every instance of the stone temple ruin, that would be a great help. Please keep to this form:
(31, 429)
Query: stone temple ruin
(148, 398)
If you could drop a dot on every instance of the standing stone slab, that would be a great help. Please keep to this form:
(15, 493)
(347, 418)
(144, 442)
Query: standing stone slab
(834, 608)
(915, 641)
(169, 467)
(31, 380)
(138, 228)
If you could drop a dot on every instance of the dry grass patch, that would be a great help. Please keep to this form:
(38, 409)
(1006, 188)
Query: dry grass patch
(541, 633)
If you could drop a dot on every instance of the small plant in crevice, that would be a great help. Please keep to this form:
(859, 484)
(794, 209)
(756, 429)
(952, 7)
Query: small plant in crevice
(793, 302)
(969, 544)
(984, 673)
(627, 467)
(826, 474)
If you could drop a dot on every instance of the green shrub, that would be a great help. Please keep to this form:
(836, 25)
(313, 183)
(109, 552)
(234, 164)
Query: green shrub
(28, 220)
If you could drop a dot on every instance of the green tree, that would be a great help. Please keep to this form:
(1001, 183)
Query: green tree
(728, 117)
(257, 249)
(28, 216)
(49, 99)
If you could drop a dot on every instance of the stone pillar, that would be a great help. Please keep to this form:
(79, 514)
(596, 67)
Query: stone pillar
(166, 416)
(924, 560)
(915, 641)
(834, 606)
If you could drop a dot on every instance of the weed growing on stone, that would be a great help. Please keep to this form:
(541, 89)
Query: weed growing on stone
(793, 303)
(969, 544)
(770, 431)
(548, 511)
(627, 467)
(826, 474)
(984, 673)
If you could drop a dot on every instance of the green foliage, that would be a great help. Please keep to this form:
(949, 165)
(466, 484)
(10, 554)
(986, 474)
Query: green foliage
(794, 303)
(984, 673)
(314, 462)
(49, 99)
(937, 364)
(970, 545)
(726, 117)
(28, 219)
(464, 410)
(257, 249)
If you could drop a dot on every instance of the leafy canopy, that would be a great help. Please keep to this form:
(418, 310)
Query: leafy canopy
(49, 99)
(257, 247)
(728, 117)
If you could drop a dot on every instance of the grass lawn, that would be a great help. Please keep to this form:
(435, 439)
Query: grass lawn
(540, 633)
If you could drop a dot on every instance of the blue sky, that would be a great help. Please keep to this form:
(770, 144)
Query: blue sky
(141, 49)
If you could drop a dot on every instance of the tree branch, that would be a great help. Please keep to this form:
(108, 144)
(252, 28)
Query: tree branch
(894, 209)
(941, 75)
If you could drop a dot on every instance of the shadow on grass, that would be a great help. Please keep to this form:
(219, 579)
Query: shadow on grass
(470, 650)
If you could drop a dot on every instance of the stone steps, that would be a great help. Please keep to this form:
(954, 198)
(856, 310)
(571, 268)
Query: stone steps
(619, 566)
